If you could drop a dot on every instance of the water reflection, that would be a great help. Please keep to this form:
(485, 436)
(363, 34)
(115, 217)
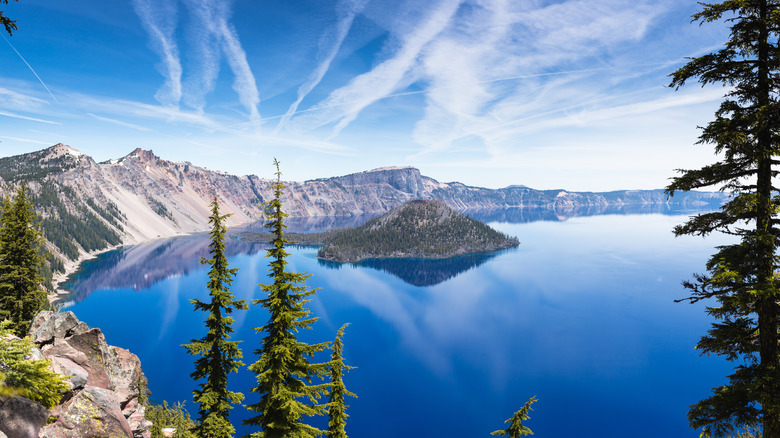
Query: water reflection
(581, 314)
(422, 272)
(564, 213)
(141, 266)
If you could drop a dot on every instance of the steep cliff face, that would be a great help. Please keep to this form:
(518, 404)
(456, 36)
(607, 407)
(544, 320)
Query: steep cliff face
(88, 206)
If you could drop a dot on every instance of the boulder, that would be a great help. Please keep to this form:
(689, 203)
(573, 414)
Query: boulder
(61, 348)
(48, 326)
(92, 412)
(21, 418)
(93, 344)
(75, 374)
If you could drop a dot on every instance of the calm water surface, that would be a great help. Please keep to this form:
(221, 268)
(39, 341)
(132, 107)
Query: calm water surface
(580, 315)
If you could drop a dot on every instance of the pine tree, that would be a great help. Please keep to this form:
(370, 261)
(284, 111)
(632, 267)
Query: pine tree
(283, 371)
(516, 429)
(22, 291)
(337, 416)
(10, 25)
(23, 376)
(218, 355)
(741, 277)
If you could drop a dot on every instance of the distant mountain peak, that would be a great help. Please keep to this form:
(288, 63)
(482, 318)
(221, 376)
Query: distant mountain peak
(60, 149)
(392, 168)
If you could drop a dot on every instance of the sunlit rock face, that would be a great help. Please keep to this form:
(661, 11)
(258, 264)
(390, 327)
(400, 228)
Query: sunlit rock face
(105, 383)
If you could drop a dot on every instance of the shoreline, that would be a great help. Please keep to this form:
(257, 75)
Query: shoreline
(58, 279)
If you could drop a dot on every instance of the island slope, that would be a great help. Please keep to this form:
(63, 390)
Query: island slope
(418, 228)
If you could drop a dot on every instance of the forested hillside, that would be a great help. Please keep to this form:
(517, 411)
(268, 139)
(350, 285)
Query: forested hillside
(419, 228)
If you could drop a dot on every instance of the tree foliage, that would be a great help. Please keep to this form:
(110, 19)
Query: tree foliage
(516, 429)
(22, 292)
(741, 278)
(10, 25)
(337, 415)
(283, 371)
(419, 228)
(219, 356)
(21, 375)
(170, 417)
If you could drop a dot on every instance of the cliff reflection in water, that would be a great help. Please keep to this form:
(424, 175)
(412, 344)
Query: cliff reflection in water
(141, 266)
(422, 272)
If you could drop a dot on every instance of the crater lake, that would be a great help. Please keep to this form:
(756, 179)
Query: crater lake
(581, 315)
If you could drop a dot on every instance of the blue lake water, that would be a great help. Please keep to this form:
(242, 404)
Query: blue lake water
(580, 315)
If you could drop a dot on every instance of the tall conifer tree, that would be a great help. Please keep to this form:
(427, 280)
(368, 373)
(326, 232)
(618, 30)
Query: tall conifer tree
(283, 371)
(741, 277)
(219, 356)
(337, 415)
(22, 292)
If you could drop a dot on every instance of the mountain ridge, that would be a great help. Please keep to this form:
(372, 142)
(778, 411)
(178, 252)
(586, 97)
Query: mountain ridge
(142, 196)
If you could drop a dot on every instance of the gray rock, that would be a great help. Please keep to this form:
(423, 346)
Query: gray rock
(76, 375)
(21, 418)
(48, 326)
(92, 412)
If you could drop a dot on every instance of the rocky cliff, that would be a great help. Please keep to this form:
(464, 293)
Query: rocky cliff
(87, 206)
(106, 386)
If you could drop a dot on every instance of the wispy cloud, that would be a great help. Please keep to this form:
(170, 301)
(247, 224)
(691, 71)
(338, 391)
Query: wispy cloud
(330, 43)
(118, 122)
(34, 119)
(26, 140)
(211, 35)
(16, 99)
(159, 18)
(344, 104)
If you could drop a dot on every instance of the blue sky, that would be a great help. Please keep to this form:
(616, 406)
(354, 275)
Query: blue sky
(550, 94)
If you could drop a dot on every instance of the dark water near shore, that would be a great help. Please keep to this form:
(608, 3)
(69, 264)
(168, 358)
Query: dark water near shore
(580, 315)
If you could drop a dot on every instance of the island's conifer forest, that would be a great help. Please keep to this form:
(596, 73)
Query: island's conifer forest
(741, 283)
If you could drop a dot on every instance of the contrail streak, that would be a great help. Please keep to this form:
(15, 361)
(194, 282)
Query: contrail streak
(30, 67)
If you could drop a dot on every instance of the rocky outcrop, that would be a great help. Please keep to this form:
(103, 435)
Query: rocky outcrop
(104, 386)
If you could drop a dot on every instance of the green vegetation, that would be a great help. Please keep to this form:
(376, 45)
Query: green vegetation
(742, 277)
(22, 376)
(22, 291)
(35, 166)
(218, 355)
(283, 370)
(68, 231)
(175, 417)
(516, 429)
(426, 229)
(337, 415)
(159, 208)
